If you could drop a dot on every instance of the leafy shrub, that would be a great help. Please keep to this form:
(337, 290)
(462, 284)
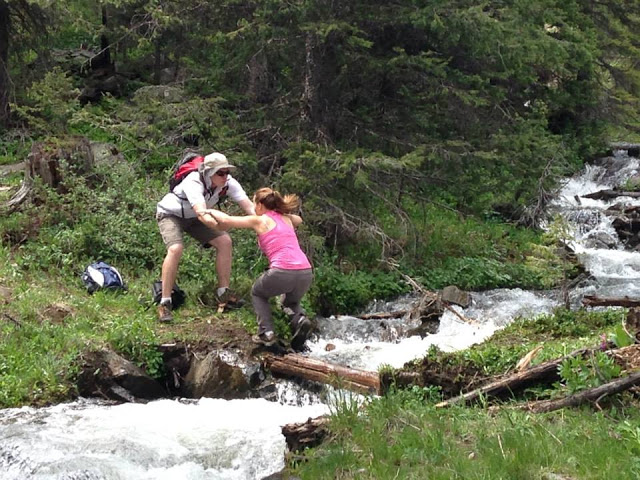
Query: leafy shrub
(571, 323)
(94, 220)
(336, 292)
(580, 373)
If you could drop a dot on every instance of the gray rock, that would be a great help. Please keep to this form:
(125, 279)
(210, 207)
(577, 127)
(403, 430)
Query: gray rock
(105, 153)
(159, 93)
(107, 374)
(214, 377)
(453, 294)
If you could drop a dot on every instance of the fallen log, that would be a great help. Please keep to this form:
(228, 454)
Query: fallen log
(594, 301)
(295, 365)
(20, 196)
(609, 194)
(304, 435)
(547, 371)
(624, 209)
(594, 394)
(383, 315)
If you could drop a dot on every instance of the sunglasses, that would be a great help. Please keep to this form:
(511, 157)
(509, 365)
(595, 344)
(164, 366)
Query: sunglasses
(222, 173)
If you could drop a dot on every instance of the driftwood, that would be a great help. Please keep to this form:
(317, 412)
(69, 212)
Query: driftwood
(592, 395)
(609, 194)
(545, 372)
(304, 435)
(429, 300)
(593, 301)
(295, 365)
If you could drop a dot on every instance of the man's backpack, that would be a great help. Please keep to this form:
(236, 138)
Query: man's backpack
(183, 167)
(190, 162)
(101, 275)
(178, 295)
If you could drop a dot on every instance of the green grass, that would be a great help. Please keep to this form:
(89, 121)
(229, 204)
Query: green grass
(51, 321)
(559, 333)
(400, 436)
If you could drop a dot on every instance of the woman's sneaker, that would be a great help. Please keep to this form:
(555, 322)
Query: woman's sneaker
(267, 339)
(301, 334)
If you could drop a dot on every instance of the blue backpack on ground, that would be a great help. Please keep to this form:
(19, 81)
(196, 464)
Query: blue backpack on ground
(101, 275)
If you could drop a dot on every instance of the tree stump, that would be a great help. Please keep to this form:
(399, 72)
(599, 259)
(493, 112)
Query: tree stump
(52, 161)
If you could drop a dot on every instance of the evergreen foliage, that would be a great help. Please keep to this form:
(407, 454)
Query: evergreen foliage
(402, 126)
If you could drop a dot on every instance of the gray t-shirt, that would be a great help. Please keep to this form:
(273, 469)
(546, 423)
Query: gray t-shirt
(193, 192)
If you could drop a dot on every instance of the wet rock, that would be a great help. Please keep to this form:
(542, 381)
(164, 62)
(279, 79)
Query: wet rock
(269, 392)
(106, 374)
(453, 294)
(214, 377)
(255, 373)
(628, 228)
(425, 329)
(600, 240)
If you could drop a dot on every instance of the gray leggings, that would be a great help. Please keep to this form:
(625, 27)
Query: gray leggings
(292, 283)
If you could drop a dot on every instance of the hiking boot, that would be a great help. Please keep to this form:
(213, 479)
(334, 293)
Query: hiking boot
(164, 313)
(301, 334)
(229, 301)
(267, 339)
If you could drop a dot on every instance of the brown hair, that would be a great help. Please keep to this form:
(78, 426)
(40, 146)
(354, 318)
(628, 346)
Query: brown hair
(272, 200)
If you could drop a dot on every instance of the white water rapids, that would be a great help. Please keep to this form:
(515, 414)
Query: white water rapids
(241, 439)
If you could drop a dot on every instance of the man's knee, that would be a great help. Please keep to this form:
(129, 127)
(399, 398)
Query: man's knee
(222, 243)
(175, 250)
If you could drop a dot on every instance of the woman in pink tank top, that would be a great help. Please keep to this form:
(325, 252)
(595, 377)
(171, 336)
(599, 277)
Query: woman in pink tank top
(290, 273)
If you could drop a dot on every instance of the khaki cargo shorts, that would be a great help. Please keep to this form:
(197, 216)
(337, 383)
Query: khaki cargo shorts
(172, 229)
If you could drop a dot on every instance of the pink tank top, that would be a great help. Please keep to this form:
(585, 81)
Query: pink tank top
(281, 246)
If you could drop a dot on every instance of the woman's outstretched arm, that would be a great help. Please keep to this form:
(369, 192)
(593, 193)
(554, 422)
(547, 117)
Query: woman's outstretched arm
(226, 222)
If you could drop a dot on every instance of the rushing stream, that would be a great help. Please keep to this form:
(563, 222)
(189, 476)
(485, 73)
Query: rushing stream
(241, 439)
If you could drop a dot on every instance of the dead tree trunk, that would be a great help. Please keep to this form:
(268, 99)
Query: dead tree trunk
(593, 301)
(320, 97)
(547, 371)
(592, 395)
(5, 84)
(52, 162)
(294, 365)
(609, 194)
